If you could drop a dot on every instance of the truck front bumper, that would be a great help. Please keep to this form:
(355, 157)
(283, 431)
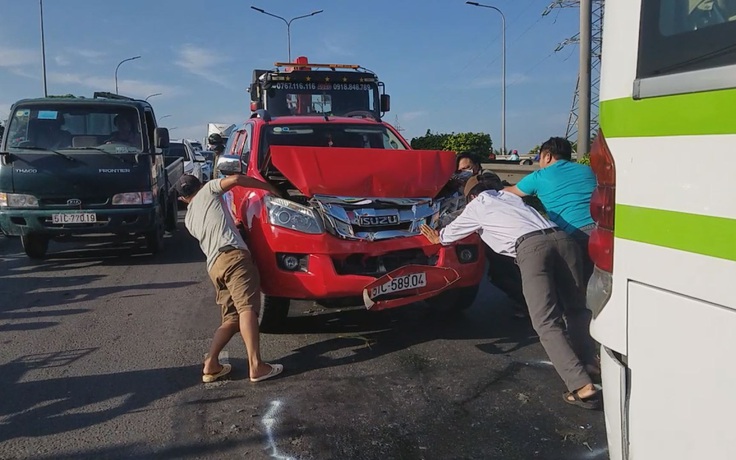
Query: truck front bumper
(327, 267)
(19, 222)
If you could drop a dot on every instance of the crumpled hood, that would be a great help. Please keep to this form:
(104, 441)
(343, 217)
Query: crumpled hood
(360, 172)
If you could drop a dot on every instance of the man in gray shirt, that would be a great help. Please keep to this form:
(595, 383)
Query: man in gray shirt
(231, 270)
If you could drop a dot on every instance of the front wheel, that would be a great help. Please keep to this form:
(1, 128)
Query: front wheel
(273, 314)
(35, 246)
(454, 300)
(155, 238)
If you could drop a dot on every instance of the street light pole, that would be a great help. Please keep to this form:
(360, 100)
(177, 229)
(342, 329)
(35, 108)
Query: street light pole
(152, 95)
(116, 70)
(161, 118)
(43, 51)
(503, 72)
(288, 23)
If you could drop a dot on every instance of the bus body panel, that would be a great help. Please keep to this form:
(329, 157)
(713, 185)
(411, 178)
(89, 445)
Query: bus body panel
(681, 404)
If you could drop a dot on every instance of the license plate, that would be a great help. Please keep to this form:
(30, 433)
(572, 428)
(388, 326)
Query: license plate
(402, 283)
(75, 218)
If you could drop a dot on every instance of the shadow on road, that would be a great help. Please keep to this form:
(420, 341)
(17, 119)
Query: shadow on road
(360, 335)
(58, 405)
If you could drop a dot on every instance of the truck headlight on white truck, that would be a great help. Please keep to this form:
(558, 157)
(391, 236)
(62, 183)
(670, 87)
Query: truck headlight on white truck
(18, 200)
(287, 214)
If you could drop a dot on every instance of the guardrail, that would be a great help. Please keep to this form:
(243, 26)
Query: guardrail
(510, 172)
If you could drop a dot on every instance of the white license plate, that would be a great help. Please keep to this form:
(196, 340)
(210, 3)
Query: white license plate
(75, 218)
(402, 283)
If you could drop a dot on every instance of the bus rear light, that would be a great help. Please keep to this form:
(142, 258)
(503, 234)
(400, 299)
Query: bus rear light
(602, 204)
(600, 248)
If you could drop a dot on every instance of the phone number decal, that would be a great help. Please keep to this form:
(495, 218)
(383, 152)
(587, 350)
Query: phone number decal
(324, 86)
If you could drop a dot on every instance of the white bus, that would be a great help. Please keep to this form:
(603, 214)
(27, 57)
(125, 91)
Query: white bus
(663, 294)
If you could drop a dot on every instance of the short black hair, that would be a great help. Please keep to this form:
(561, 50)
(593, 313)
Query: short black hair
(468, 156)
(559, 147)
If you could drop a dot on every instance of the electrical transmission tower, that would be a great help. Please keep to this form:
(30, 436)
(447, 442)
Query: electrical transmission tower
(397, 125)
(595, 64)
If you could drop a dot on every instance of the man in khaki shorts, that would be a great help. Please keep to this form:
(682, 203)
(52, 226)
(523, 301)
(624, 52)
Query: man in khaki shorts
(231, 270)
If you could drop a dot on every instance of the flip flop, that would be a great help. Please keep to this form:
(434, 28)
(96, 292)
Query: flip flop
(276, 369)
(590, 403)
(209, 378)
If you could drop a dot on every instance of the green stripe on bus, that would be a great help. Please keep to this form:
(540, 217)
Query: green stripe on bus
(701, 113)
(706, 235)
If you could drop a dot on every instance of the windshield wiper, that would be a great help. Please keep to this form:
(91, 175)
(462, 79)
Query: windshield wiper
(33, 147)
(119, 158)
(704, 57)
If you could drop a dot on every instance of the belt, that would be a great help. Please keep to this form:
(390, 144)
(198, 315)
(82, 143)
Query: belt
(544, 231)
(229, 248)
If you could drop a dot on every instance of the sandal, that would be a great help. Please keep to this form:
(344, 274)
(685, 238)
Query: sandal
(209, 378)
(591, 402)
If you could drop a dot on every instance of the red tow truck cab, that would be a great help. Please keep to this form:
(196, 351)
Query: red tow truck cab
(353, 197)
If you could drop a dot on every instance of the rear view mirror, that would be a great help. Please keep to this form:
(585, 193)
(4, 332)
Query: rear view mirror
(161, 138)
(385, 103)
(228, 165)
(253, 92)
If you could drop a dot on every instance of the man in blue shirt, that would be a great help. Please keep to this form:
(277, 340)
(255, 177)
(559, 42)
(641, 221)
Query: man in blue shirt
(564, 188)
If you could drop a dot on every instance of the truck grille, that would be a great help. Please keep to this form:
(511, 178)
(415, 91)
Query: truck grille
(374, 218)
(361, 264)
(62, 203)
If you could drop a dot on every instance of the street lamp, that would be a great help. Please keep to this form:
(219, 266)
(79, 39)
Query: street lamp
(503, 72)
(161, 118)
(288, 23)
(152, 95)
(43, 51)
(116, 70)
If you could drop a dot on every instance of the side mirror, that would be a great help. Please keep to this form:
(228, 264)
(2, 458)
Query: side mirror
(253, 92)
(385, 103)
(161, 138)
(228, 165)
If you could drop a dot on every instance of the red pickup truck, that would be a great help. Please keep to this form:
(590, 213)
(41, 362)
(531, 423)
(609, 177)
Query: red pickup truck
(353, 196)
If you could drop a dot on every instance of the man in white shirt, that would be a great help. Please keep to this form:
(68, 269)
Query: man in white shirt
(551, 268)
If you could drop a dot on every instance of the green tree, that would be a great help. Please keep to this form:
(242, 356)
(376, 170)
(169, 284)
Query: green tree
(478, 144)
(429, 141)
(60, 96)
(2, 130)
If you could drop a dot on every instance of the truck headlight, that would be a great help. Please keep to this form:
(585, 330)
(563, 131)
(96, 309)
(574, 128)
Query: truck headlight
(132, 198)
(18, 200)
(287, 214)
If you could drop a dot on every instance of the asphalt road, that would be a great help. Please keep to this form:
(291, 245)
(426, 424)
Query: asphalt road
(100, 357)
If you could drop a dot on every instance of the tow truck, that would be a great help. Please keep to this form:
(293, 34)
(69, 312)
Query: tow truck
(353, 197)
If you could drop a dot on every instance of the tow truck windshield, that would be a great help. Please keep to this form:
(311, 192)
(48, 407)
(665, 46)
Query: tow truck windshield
(66, 127)
(309, 98)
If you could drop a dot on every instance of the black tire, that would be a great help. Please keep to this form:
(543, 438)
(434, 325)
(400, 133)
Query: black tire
(273, 314)
(155, 238)
(172, 215)
(35, 246)
(454, 300)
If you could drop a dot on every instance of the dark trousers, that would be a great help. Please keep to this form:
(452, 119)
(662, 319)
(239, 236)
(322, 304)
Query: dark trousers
(582, 237)
(552, 275)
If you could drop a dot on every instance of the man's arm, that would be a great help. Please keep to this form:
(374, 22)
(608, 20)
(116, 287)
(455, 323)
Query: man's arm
(227, 183)
(515, 190)
(463, 225)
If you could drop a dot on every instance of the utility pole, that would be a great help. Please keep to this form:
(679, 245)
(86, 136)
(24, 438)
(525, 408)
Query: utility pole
(43, 52)
(587, 86)
(584, 86)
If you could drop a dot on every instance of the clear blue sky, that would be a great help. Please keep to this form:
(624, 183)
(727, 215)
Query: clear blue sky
(440, 59)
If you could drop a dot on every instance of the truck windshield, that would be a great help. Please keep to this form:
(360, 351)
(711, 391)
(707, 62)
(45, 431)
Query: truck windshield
(331, 135)
(75, 126)
(334, 99)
